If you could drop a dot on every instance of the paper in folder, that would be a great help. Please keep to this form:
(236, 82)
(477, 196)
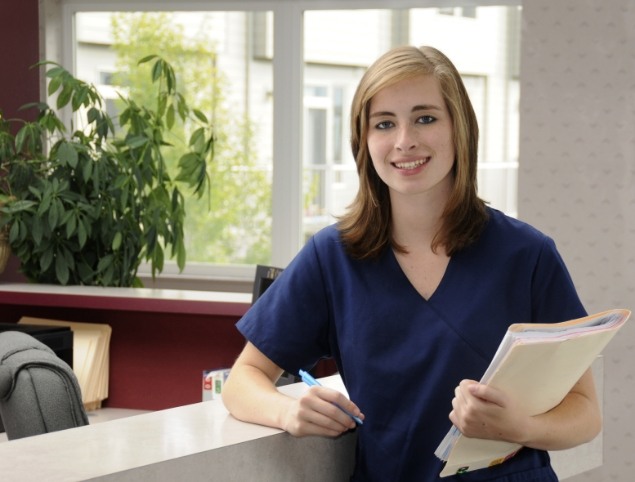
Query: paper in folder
(91, 359)
(539, 363)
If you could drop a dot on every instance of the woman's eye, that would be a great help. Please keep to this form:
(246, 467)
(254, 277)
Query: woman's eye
(384, 125)
(426, 119)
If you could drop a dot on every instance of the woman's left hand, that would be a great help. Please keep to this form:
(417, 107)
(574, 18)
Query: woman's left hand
(480, 411)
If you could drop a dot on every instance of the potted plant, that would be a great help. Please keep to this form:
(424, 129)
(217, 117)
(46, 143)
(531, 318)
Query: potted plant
(87, 205)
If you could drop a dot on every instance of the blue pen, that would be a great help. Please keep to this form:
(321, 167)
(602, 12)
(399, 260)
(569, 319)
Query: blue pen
(310, 381)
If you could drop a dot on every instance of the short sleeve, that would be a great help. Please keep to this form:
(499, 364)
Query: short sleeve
(289, 323)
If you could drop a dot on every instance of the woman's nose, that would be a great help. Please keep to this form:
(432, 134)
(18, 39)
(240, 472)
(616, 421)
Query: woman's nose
(406, 138)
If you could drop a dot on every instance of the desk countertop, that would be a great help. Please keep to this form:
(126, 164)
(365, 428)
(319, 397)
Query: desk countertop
(119, 446)
(202, 442)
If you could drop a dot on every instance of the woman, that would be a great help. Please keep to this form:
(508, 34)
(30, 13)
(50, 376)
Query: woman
(411, 293)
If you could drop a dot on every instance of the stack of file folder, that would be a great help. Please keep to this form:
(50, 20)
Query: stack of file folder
(537, 363)
(91, 345)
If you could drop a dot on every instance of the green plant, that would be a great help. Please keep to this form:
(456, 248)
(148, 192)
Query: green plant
(88, 205)
(234, 232)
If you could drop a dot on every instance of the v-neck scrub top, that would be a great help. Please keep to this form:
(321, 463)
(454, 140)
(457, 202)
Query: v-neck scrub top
(400, 355)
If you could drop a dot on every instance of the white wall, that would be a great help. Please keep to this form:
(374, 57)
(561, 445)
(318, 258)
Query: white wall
(577, 176)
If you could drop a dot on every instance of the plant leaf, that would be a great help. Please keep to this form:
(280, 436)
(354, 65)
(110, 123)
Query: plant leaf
(116, 242)
(82, 235)
(197, 140)
(65, 96)
(169, 118)
(45, 203)
(147, 59)
(87, 169)
(92, 115)
(37, 230)
(157, 70)
(54, 84)
(67, 154)
(21, 205)
(80, 97)
(200, 116)
(104, 262)
(71, 225)
(180, 254)
(136, 141)
(61, 269)
(46, 259)
(14, 232)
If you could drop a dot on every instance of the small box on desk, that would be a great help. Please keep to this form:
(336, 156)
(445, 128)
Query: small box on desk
(57, 338)
(213, 381)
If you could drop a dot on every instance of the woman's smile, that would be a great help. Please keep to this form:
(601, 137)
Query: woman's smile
(410, 165)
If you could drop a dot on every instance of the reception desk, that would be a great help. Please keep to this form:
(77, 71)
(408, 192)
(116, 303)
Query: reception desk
(191, 443)
(202, 442)
(161, 342)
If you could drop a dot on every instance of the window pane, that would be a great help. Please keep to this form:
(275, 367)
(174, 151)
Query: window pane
(224, 64)
(222, 69)
(335, 62)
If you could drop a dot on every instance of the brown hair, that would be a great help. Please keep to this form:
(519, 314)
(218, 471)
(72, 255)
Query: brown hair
(366, 226)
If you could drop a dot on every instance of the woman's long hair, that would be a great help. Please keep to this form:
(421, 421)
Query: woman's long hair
(366, 226)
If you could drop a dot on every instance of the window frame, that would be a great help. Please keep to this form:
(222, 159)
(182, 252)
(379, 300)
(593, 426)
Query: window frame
(57, 17)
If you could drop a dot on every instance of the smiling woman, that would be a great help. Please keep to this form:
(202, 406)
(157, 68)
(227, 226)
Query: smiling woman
(432, 300)
(386, 112)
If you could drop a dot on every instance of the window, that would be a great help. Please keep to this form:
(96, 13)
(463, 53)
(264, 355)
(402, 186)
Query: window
(233, 90)
(467, 12)
(280, 90)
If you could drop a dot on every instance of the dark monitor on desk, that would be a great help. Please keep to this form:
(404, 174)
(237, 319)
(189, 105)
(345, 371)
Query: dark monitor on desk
(265, 276)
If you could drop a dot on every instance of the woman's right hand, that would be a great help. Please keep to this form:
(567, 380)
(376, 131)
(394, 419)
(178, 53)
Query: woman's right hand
(250, 395)
(318, 412)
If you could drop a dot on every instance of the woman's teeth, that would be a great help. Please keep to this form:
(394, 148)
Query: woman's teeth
(410, 164)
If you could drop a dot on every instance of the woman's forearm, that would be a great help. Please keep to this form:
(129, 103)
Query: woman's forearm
(251, 396)
(576, 420)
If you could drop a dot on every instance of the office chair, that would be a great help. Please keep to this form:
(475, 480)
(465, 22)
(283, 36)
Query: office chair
(39, 392)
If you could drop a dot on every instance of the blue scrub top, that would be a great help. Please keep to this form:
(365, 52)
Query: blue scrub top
(400, 355)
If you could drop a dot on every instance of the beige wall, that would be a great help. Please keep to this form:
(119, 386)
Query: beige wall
(577, 176)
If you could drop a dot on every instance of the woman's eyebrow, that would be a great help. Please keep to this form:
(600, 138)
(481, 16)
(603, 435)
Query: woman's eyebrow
(416, 108)
(383, 113)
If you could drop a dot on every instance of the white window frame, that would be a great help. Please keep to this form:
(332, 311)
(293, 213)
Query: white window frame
(56, 18)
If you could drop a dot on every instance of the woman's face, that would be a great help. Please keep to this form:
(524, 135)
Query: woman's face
(410, 137)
